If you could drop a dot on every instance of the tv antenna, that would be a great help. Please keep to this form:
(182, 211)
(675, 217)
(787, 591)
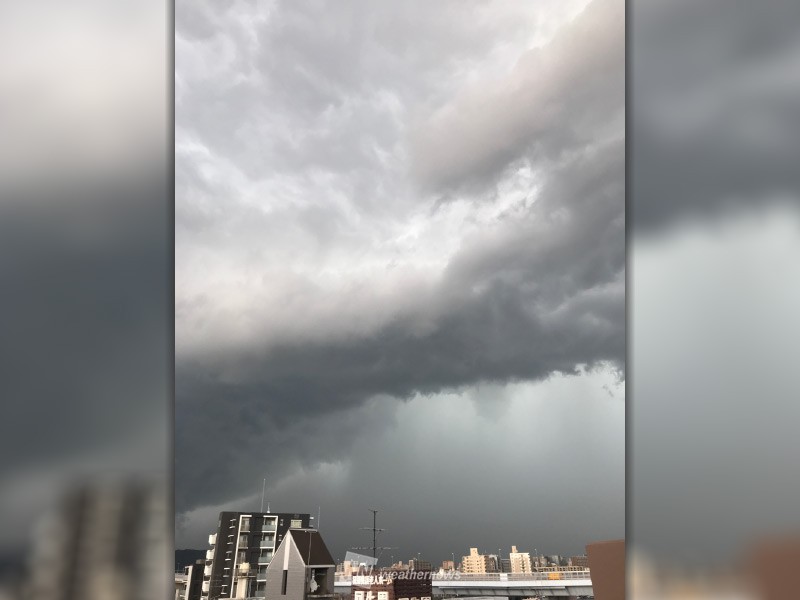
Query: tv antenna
(375, 531)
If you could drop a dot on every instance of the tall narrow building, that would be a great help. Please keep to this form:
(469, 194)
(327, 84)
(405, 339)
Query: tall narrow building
(241, 550)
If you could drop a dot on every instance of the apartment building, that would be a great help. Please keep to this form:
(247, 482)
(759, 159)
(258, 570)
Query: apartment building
(192, 589)
(520, 561)
(478, 563)
(241, 550)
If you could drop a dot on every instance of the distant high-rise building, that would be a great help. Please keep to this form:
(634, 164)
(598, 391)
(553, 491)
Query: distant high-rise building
(553, 559)
(416, 564)
(448, 565)
(475, 562)
(241, 549)
(520, 561)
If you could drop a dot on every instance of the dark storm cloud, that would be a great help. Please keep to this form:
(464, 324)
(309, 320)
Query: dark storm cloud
(416, 472)
(715, 119)
(85, 357)
(320, 270)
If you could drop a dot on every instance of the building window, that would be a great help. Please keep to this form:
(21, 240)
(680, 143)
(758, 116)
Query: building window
(284, 581)
(383, 595)
(296, 523)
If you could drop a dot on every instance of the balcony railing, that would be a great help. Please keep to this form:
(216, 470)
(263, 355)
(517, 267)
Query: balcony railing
(266, 544)
(209, 555)
(268, 528)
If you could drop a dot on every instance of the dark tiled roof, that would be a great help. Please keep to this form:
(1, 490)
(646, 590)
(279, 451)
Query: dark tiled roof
(312, 548)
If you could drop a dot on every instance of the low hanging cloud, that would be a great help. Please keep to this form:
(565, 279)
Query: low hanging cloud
(370, 224)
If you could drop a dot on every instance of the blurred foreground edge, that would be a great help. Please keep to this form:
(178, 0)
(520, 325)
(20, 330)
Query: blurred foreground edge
(774, 568)
(104, 540)
(607, 565)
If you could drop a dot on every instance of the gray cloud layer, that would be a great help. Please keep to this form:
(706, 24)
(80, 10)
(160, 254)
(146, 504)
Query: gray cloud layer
(714, 328)
(85, 241)
(715, 121)
(382, 202)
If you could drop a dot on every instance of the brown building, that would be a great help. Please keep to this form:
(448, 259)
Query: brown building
(448, 565)
(393, 584)
(607, 562)
(579, 561)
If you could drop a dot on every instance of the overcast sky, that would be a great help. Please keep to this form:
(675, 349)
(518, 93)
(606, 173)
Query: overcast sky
(714, 277)
(400, 268)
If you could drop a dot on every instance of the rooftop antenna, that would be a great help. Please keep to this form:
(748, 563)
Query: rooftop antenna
(319, 516)
(375, 531)
(263, 489)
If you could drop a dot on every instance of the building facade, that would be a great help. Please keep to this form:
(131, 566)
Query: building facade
(393, 584)
(241, 550)
(194, 581)
(416, 564)
(578, 561)
(302, 568)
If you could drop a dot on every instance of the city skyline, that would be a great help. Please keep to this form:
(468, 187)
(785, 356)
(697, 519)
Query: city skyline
(400, 270)
(392, 555)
